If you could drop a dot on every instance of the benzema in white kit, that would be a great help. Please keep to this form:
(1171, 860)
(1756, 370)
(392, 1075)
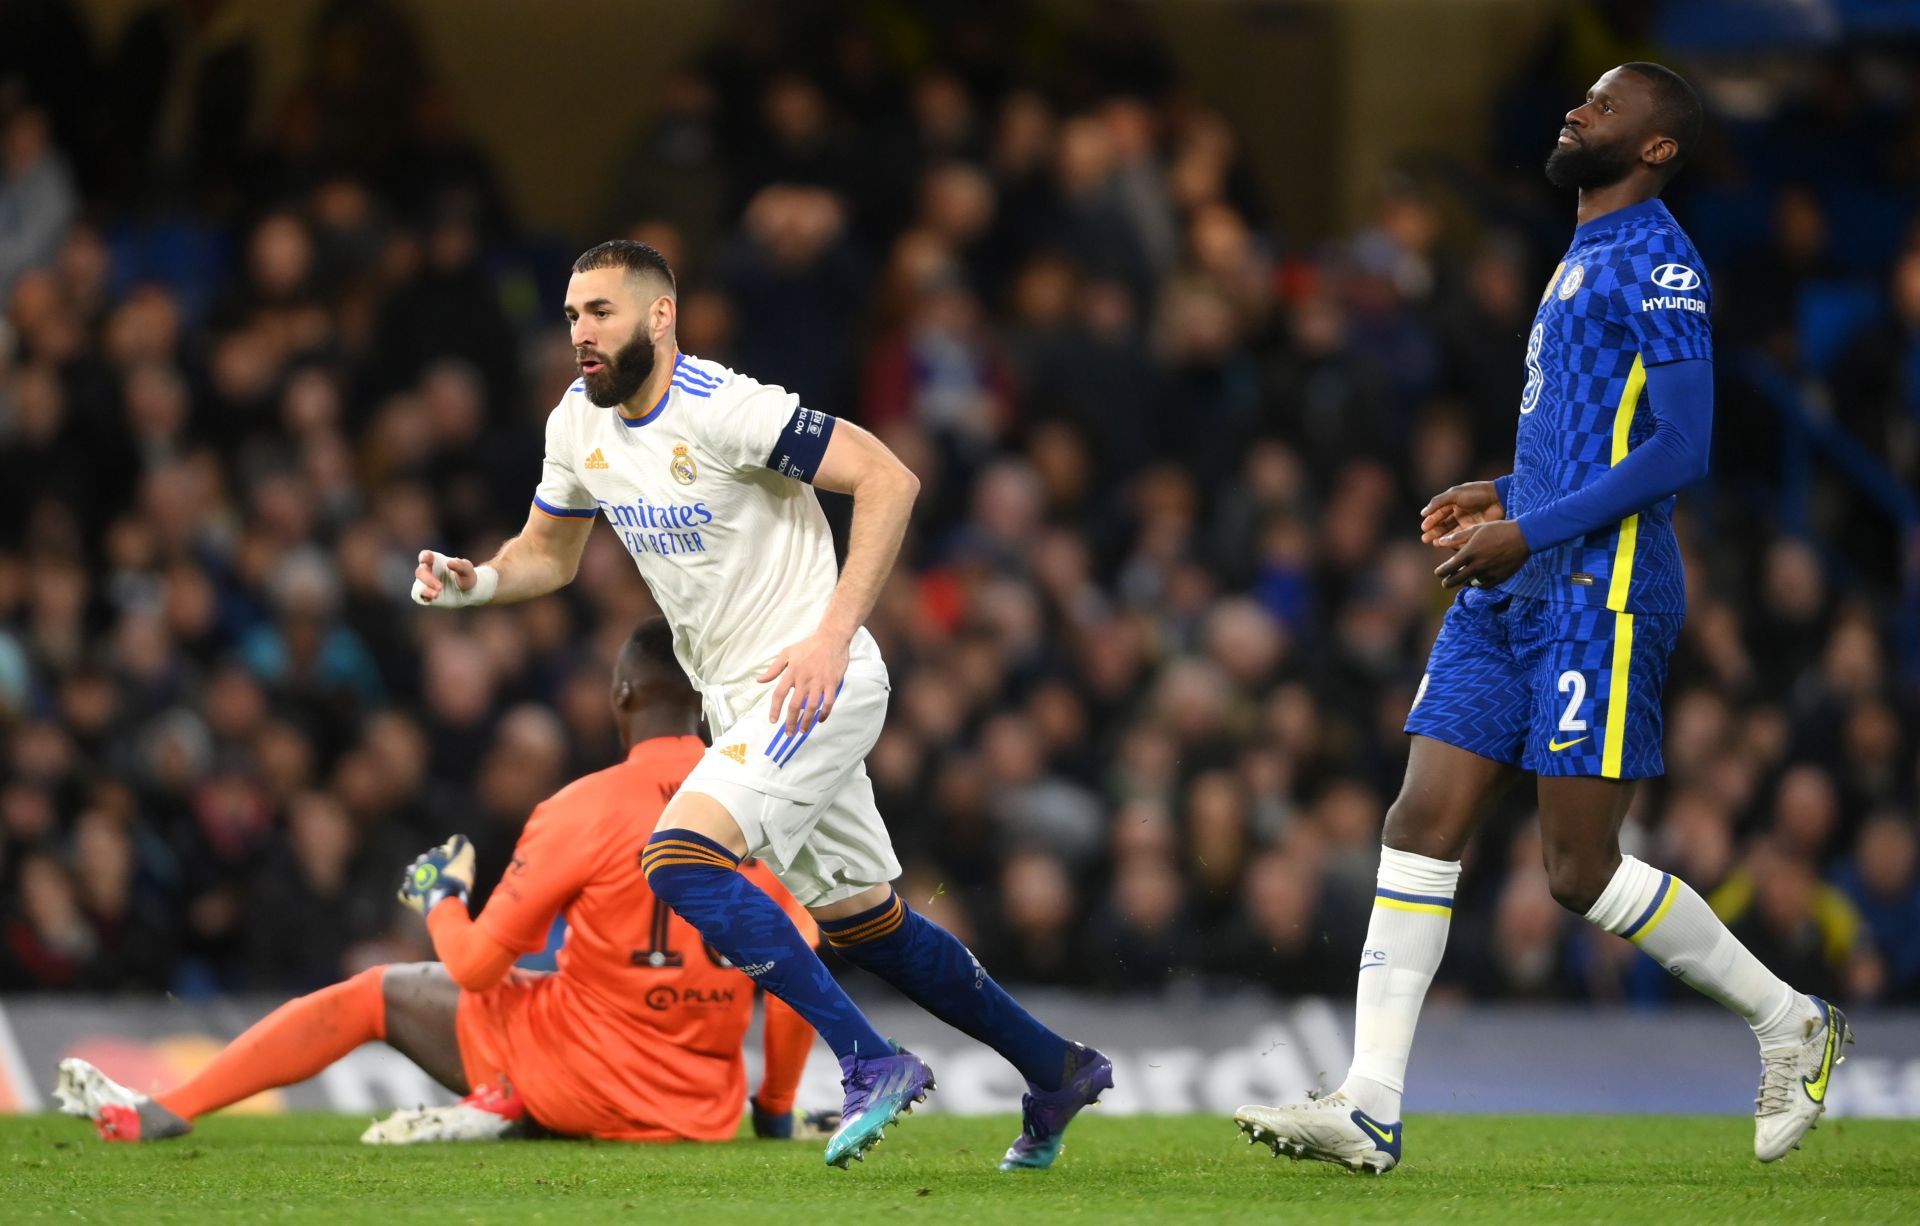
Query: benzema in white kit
(702, 491)
(707, 476)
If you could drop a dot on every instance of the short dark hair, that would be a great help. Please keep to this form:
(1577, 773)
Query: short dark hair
(627, 253)
(1676, 109)
(650, 647)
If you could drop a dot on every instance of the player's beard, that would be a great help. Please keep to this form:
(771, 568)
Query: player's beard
(623, 374)
(1580, 166)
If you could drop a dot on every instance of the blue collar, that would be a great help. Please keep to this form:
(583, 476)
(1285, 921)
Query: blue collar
(650, 414)
(1633, 212)
(661, 404)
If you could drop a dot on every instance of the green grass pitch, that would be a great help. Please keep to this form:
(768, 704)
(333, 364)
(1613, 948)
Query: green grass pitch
(933, 1169)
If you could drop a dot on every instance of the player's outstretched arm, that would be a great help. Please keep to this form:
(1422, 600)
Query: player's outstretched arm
(883, 489)
(543, 558)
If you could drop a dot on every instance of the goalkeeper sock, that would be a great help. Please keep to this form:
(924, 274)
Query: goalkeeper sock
(294, 1042)
(1412, 909)
(785, 1041)
(700, 880)
(1673, 925)
(938, 973)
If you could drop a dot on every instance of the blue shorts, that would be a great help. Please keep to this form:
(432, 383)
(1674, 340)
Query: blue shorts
(1550, 688)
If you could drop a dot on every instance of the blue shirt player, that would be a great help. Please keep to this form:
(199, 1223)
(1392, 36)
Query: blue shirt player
(1552, 659)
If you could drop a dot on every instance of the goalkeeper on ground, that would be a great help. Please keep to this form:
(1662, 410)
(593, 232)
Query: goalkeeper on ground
(635, 1037)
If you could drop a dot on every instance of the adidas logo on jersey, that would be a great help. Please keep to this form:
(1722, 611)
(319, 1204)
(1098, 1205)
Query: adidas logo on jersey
(737, 752)
(597, 460)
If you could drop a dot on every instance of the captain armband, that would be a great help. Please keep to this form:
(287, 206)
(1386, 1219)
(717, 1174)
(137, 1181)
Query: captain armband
(802, 444)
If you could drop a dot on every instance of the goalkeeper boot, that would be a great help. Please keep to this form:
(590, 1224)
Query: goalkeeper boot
(879, 1092)
(793, 1125)
(814, 1125)
(118, 1114)
(1045, 1114)
(493, 1112)
(1326, 1128)
(1794, 1080)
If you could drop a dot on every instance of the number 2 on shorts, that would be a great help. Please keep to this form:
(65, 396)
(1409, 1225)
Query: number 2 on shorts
(1570, 720)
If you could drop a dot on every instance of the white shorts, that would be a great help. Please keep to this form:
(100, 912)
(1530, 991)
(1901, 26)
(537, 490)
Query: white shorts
(804, 802)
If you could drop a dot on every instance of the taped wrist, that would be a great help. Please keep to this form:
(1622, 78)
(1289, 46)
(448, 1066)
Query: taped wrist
(486, 581)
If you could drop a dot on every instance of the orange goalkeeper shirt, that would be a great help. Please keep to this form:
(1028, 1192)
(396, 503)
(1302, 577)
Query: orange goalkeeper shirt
(637, 1034)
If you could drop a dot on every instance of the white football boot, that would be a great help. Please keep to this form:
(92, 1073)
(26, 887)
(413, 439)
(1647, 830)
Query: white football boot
(118, 1114)
(1794, 1081)
(1326, 1129)
(490, 1113)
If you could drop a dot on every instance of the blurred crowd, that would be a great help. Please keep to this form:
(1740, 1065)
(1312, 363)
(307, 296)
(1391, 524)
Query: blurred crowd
(1163, 607)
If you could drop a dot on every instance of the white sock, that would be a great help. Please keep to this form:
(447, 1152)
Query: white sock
(1412, 908)
(1663, 916)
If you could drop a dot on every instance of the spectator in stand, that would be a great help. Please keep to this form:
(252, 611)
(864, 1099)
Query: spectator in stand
(1883, 882)
(1161, 608)
(38, 200)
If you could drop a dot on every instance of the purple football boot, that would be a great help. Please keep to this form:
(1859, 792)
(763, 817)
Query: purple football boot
(879, 1092)
(1045, 1114)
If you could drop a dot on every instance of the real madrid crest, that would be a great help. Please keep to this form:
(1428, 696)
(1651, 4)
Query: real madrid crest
(1570, 284)
(682, 466)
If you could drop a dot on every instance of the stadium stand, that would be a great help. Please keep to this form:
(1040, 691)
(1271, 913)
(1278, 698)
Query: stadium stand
(1164, 605)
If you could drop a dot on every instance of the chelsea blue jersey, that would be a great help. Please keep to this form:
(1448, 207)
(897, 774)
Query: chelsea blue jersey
(1630, 293)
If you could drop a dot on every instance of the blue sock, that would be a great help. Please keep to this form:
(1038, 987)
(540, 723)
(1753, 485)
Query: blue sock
(700, 880)
(942, 976)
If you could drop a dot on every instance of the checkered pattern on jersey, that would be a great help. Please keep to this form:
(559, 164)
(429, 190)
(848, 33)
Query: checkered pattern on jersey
(1608, 305)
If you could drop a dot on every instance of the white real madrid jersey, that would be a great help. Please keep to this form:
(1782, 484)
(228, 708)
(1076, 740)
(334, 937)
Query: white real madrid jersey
(736, 551)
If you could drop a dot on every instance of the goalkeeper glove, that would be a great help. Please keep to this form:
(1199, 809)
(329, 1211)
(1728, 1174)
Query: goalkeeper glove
(444, 872)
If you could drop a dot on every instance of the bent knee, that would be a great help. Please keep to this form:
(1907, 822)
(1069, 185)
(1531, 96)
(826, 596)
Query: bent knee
(1414, 826)
(1577, 882)
(402, 983)
(865, 900)
(703, 815)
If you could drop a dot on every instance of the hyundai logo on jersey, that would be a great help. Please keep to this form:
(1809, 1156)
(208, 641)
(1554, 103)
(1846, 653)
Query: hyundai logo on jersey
(1676, 277)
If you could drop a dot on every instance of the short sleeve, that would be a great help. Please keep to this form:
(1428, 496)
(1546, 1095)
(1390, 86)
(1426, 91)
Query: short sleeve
(1662, 295)
(560, 493)
(549, 868)
(742, 433)
(766, 428)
